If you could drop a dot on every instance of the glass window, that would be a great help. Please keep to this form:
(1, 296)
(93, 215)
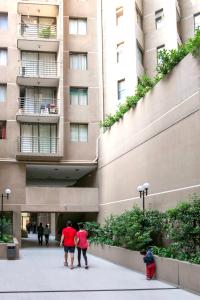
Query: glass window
(3, 89)
(79, 132)
(3, 56)
(78, 96)
(78, 61)
(139, 54)
(159, 18)
(3, 21)
(159, 49)
(121, 89)
(2, 130)
(119, 16)
(78, 26)
(196, 21)
(120, 52)
(139, 17)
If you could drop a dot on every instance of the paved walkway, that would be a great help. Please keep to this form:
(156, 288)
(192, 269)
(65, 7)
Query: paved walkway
(40, 274)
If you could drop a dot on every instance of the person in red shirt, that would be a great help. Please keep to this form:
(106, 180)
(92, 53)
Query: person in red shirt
(68, 240)
(82, 245)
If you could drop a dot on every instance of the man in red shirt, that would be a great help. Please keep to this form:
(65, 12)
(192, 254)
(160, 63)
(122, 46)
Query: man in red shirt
(68, 240)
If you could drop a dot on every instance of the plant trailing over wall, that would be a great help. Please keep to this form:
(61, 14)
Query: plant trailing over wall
(136, 230)
(168, 60)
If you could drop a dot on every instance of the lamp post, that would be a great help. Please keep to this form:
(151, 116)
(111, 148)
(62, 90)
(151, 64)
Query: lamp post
(143, 190)
(5, 194)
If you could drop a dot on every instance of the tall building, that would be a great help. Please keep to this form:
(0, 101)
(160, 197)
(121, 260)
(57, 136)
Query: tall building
(64, 65)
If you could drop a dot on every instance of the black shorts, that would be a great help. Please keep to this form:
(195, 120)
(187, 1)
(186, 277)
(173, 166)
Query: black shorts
(70, 249)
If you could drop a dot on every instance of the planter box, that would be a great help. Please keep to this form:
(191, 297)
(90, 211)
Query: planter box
(3, 249)
(182, 274)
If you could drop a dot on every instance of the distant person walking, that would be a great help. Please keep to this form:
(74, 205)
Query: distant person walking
(82, 245)
(68, 240)
(46, 234)
(40, 231)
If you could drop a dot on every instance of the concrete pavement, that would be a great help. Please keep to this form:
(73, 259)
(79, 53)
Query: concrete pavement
(40, 274)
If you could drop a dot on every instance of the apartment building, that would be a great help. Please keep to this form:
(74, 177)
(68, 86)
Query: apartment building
(64, 64)
(49, 112)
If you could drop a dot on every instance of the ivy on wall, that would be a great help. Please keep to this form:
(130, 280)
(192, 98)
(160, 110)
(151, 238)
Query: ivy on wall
(168, 60)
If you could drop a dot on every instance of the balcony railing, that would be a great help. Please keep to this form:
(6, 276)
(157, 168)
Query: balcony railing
(45, 106)
(38, 68)
(35, 144)
(38, 31)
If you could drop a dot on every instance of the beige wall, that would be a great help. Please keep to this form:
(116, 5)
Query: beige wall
(157, 142)
(81, 78)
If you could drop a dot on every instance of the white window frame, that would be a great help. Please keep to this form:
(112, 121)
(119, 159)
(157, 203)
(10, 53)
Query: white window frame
(76, 26)
(79, 136)
(3, 18)
(196, 22)
(79, 91)
(159, 18)
(79, 64)
(4, 57)
(3, 92)
(158, 49)
(121, 91)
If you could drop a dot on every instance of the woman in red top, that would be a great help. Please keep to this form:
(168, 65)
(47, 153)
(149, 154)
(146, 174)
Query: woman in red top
(82, 245)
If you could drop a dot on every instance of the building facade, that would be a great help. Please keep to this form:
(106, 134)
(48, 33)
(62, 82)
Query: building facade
(64, 65)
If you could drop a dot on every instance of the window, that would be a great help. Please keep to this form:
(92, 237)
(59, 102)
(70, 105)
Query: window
(3, 57)
(78, 96)
(121, 89)
(78, 26)
(120, 52)
(79, 132)
(78, 61)
(159, 49)
(2, 130)
(3, 21)
(139, 53)
(139, 17)
(196, 21)
(119, 16)
(2, 92)
(159, 18)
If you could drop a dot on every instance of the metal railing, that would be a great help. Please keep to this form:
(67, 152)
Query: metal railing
(35, 144)
(44, 106)
(38, 31)
(38, 68)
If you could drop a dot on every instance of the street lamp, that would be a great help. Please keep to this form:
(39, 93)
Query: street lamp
(143, 190)
(6, 194)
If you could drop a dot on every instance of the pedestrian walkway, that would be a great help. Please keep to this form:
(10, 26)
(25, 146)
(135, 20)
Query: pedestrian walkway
(32, 241)
(40, 274)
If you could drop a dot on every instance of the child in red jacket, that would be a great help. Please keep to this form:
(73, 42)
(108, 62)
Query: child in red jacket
(150, 263)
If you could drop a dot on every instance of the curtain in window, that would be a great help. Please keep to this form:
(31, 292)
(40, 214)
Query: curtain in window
(2, 93)
(73, 26)
(74, 132)
(29, 64)
(29, 26)
(47, 64)
(53, 139)
(83, 133)
(78, 61)
(82, 26)
(3, 57)
(74, 96)
(83, 96)
(30, 105)
(3, 21)
(26, 140)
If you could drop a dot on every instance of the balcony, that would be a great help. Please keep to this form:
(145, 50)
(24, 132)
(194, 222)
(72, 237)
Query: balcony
(38, 37)
(38, 110)
(38, 73)
(38, 148)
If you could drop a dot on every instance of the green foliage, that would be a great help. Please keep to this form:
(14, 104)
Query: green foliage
(168, 60)
(46, 33)
(137, 230)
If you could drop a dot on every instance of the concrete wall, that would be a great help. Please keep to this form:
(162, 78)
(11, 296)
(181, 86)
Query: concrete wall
(182, 274)
(158, 142)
